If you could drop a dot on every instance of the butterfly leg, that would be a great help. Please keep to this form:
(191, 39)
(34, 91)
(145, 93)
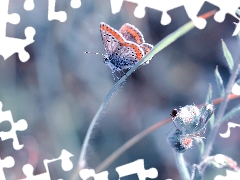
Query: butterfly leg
(122, 73)
(115, 76)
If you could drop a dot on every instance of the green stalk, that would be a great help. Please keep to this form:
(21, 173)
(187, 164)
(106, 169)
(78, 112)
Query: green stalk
(182, 167)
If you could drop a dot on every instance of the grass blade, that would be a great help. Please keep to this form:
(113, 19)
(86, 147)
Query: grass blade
(219, 82)
(228, 56)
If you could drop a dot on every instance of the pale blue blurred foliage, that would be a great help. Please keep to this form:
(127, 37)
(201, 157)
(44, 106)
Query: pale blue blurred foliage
(60, 88)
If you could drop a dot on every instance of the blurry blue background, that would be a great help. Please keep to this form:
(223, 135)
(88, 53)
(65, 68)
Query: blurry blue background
(59, 89)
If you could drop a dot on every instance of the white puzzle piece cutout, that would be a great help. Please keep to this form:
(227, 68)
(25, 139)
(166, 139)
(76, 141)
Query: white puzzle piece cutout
(192, 9)
(60, 15)
(67, 165)
(7, 162)
(20, 125)
(87, 173)
(9, 45)
(137, 167)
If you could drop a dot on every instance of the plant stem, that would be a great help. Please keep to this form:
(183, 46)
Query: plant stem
(182, 167)
(129, 144)
(220, 113)
(94, 120)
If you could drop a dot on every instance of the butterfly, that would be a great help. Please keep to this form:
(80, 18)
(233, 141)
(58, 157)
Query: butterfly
(124, 48)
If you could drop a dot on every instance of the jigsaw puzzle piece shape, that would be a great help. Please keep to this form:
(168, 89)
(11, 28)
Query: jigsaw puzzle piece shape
(230, 175)
(5, 17)
(237, 29)
(53, 15)
(28, 5)
(7, 162)
(75, 4)
(116, 6)
(192, 9)
(137, 167)
(28, 171)
(20, 125)
(66, 164)
(9, 45)
(87, 173)
(142, 4)
(226, 7)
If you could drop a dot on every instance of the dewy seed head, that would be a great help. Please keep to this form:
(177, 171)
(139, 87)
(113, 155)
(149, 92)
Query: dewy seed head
(186, 117)
(191, 120)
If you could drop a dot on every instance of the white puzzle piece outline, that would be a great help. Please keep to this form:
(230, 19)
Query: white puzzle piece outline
(192, 9)
(7, 162)
(137, 167)
(67, 165)
(20, 125)
(9, 45)
(52, 14)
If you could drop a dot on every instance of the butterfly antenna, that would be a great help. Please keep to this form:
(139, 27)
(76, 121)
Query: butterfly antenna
(93, 53)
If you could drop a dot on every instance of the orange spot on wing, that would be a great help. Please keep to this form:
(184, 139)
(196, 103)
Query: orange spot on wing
(133, 32)
(112, 32)
(136, 49)
(146, 48)
(136, 36)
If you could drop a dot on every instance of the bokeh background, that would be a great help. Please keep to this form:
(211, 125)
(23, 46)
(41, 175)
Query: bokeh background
(59, 89)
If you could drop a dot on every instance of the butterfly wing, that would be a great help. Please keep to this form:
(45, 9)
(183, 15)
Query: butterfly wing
(111, 38)
(122, 53)
(146, 49)
(131, 33)
(130, 51)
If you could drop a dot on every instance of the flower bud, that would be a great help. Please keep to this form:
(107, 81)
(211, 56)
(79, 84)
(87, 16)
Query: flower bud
(180, 142)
